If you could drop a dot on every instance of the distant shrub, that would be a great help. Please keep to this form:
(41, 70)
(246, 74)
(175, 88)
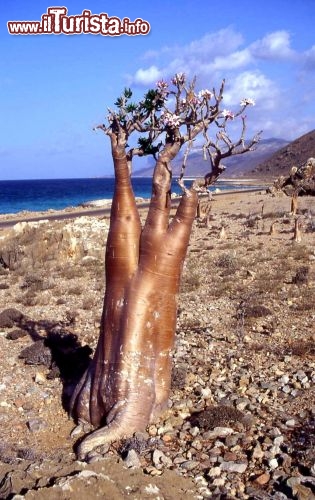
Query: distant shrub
(301, 276)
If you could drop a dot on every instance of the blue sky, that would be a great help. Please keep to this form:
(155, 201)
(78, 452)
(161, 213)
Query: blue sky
(55, 88)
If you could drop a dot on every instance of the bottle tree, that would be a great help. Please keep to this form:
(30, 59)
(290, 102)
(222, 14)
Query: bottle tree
(128, 381)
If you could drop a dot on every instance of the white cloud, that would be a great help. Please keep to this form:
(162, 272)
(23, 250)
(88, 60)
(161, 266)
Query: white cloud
(310, 59)
(147, 76)
(251, 70)
(273, 46)
(234, 60)
(255, 85)
(210, 45)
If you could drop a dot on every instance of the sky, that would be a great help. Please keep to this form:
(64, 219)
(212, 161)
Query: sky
(55, 88)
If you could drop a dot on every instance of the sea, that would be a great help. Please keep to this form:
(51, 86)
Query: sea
(57, 194)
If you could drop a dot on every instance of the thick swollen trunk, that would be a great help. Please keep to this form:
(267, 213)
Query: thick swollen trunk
(128, 381)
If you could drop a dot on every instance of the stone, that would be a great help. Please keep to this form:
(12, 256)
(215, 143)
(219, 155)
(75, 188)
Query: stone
(40, 378)
(160, 460)
(214, 472)
(258, 452)
(36, 424)
(263, 479)
(219, 432)
(273, 463)
(132, 460)
(239, 468)
(299, 491)
(290, 423)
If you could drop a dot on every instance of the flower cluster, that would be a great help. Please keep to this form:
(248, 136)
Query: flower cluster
(227, 114)
(192, 98)
(179, 79)
(205, 94)
(162, 88)
(247, 101)
(170, 119)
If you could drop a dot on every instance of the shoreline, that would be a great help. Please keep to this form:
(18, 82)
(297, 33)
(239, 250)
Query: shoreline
(9, 220)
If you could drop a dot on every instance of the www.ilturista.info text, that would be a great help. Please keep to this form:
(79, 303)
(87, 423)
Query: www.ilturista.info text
(56, 22)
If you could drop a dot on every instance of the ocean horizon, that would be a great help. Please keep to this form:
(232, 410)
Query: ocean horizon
(37, 195)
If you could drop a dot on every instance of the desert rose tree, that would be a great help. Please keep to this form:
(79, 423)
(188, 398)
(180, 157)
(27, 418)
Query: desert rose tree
(128, 381)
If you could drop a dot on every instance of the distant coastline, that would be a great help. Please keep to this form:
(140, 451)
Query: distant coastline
(42, 195)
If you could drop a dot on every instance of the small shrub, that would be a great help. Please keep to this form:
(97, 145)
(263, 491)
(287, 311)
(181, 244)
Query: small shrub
(61, 301)
(88, 303)
(256, 311)
(301, 276)
(191, 281)
(75, 290)
(28, 299)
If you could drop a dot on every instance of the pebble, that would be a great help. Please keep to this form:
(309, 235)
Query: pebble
(273, 463)
(258, 452)
(214, 472)
(290, 423)
(132, 460)
(219, 432)
(189, 465)
(263, 479)
(40, 378)
(160, 460)
(234, 467)
(36, 424)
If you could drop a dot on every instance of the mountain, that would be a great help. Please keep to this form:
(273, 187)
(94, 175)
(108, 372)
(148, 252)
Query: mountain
(237, 166)
(271, 158)
(294, 154)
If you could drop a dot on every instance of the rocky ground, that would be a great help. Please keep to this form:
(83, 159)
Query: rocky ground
(241, 422)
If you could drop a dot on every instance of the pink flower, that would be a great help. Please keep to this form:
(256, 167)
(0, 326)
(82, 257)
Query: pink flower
(205, 93)
(247, 101)
(170, 119)
(179, 79)
(227, 114)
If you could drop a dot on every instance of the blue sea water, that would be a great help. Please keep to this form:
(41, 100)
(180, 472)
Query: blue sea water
(57, 194)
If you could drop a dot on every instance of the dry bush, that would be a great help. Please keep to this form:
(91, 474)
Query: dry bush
(72, 272)
(227, 262)
(301, 276)
(256, 311)
(88, 303)
(75, 290)
(61, 301)
(191, 281)
(28, 299)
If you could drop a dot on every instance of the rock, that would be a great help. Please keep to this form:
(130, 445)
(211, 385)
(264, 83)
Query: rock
(273, 463)
(40, 378)
(219, 432)
(234, 467)
(258, 452)
(300, 491)
(36, 424)
(160, 460)
(301, 180)
(151, 489)
(214, 472)
(189, 465)
(290, 423)
(132, 460)
(262, 479)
